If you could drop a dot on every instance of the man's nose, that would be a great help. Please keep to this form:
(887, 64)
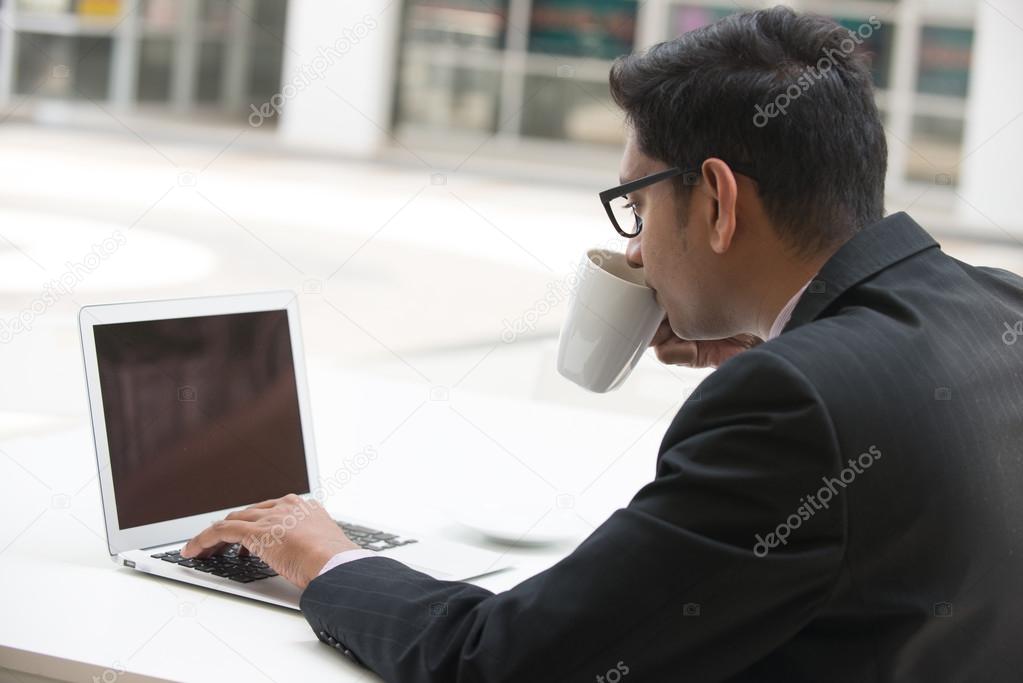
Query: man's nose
(634, 252)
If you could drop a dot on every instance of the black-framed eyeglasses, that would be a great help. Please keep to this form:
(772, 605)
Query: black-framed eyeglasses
(621, 210)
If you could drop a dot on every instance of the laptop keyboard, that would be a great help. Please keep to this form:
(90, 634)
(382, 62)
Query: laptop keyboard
(232, 565)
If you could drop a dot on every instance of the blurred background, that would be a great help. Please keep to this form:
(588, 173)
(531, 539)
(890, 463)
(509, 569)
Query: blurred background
(422, 173)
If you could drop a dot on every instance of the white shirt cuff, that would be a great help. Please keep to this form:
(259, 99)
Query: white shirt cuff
(345, 556)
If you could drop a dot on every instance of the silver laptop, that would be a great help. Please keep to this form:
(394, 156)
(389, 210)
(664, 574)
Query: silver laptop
(200, 407)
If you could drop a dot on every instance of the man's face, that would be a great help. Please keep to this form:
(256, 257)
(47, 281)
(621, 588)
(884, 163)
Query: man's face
(673, 248)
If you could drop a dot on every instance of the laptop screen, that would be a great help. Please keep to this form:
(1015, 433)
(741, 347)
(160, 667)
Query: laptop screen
(201, 414)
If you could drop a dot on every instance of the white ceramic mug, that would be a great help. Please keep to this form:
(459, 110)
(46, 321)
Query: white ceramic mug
(611, 319)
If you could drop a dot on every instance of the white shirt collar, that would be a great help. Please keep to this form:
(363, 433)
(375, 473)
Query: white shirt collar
(786, 313)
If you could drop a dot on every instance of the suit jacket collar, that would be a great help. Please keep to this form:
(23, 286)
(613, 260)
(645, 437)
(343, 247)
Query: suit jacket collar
(868, 252)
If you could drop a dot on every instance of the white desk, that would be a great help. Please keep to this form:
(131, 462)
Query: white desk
(66, 611)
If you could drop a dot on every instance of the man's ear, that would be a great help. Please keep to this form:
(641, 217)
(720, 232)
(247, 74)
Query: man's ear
(720, 187)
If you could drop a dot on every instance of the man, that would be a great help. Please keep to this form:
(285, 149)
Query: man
(841, 503)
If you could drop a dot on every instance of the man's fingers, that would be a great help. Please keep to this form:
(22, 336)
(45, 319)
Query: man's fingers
(215, 550)
(663, 334)
(748, 341)
(265, 504)
(273, 501)
(250, 514)
(677, 352)
(223, 531)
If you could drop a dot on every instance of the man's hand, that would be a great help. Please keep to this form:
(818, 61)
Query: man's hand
(673, 350)
(294, 536)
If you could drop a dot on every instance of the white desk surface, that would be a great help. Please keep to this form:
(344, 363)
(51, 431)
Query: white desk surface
(68, 612)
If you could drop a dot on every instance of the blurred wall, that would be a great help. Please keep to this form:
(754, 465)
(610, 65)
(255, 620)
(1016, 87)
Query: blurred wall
(994, 131)
(337, 84)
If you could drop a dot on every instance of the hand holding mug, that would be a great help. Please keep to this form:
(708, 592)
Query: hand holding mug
(709, 353)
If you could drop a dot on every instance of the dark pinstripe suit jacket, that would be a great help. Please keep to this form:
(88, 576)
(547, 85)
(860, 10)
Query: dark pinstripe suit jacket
(841, 503)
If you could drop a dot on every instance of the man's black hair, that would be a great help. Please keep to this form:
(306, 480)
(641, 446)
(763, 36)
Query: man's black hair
(787, 94)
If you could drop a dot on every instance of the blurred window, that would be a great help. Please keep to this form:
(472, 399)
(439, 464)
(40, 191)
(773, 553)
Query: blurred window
(937, 145)
(156, 57)
(63, 67)
(213, 56)
(944, 67)
(537, 69)
(566, 109)
(450, 96)
(603, 29)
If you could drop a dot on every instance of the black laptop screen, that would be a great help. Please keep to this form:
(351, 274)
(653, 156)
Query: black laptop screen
(201, 414)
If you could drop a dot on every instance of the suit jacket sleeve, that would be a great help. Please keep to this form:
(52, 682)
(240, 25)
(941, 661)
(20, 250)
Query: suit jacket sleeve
(667, 588)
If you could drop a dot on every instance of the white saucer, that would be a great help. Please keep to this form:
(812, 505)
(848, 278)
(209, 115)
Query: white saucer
(521, 525)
